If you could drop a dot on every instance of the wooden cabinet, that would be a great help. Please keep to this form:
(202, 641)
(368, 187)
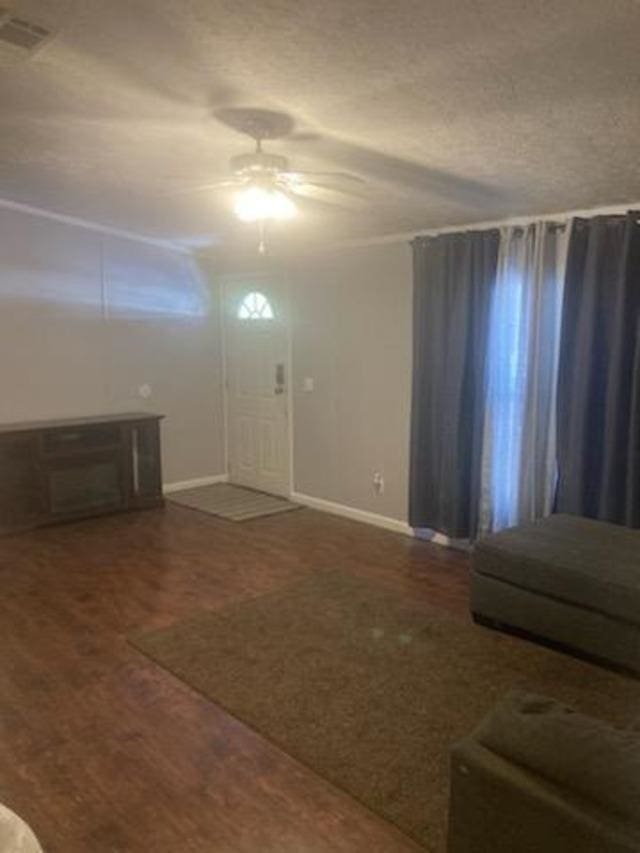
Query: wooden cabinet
(53, 471)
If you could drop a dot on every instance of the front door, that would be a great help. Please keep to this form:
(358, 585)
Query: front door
(257, 366)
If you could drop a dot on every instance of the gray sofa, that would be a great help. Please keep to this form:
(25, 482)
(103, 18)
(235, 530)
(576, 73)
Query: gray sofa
(569, 580)
(536, 777)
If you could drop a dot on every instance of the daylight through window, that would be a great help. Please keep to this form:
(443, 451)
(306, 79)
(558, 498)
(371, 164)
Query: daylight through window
(255, 306)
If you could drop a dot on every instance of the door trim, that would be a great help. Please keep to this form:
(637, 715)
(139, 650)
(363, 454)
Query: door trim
(225, 282)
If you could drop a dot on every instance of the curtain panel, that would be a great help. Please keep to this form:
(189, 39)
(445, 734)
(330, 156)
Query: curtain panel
(519, 470)
(599, 372)
(454, 277)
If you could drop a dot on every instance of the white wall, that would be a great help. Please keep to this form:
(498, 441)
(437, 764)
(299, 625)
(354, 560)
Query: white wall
(87, 318)
(351, 332)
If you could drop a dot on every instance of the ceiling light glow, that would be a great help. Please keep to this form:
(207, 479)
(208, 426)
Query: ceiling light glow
(255, 204)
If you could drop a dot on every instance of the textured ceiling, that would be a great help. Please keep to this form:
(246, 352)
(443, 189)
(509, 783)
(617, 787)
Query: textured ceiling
(452, 110)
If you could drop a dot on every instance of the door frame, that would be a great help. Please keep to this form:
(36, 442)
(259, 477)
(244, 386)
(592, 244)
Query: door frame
(225, 282)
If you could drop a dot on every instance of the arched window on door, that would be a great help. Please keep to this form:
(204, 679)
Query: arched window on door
(255, 306)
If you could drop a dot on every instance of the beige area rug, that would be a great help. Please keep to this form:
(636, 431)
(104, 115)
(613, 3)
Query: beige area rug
(234, 503)
(371, 691)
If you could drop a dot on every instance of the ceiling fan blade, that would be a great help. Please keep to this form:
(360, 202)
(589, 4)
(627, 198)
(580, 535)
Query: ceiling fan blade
(217, 185)
(333, 187)
(324, 178)
(327, 195)
(346, 191)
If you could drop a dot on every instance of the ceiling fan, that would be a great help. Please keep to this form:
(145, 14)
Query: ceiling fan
(267, 188)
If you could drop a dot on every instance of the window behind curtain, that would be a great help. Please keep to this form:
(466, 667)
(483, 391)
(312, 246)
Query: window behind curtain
(519, 444)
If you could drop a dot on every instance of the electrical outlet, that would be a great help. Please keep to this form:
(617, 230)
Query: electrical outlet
(378, 482)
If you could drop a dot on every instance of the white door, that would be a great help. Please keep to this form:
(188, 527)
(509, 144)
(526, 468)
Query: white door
(257, 368)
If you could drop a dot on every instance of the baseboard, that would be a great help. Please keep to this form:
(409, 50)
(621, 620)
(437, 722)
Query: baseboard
(168, 488)
(354, 514)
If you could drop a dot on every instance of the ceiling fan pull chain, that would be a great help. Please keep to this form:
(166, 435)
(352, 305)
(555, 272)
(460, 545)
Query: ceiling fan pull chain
(262, 244)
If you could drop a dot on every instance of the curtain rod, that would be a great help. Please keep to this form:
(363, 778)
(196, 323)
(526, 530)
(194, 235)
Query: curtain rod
(517, 228)
(559, 216)
(553, 226)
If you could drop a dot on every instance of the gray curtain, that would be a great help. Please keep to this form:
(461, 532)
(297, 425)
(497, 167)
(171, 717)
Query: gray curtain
(599, 372)
(454, 276)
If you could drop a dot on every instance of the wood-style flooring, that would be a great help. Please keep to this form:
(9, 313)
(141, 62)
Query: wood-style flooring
(102, 751)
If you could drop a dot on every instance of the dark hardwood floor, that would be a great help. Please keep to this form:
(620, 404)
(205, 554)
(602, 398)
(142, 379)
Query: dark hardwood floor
(103, 751)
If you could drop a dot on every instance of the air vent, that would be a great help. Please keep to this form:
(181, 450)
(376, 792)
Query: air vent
(21, 33)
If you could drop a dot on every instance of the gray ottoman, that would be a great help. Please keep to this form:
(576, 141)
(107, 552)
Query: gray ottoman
(565, 579)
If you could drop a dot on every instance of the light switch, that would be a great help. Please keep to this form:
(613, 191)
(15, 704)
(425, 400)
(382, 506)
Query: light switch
(144, 391)
(308, 384)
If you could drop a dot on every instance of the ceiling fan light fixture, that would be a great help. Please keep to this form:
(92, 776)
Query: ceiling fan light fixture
(255, 203)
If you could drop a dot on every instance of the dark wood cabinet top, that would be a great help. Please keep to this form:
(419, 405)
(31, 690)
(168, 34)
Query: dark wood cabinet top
(65, 423)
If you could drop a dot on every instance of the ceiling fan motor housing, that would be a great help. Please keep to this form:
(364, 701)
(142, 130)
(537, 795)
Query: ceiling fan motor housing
(258, 163)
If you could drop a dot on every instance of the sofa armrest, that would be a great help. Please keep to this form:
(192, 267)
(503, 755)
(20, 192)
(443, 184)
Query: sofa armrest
(498, 807)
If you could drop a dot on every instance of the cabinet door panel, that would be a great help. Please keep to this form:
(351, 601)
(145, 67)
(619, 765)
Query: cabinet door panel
(147, 473)
(21, 498)
(85, 485)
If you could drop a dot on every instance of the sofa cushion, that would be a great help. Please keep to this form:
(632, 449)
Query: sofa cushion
(578, 753)
(586, 562)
